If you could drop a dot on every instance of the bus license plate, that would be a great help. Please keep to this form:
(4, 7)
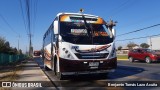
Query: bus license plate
(93, 63)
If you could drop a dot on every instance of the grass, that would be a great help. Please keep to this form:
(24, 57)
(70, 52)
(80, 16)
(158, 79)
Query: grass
(122, 56)
(10, 74)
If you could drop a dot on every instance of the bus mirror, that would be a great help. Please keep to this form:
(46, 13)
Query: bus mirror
(114, 33)
(60, 38)
(55, 27)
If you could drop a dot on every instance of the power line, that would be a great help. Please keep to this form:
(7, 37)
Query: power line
(114, 11)
(139, 29)
(140, 21)
(8, 24)
(3, 30)
(11, 28)
(121, 7)
(34, 14)
(28, 15)
(29, 18)
(22, 14)
(138, 37)
(29, 25)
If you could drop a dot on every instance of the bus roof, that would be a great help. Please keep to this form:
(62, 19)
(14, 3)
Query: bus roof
(77, 14)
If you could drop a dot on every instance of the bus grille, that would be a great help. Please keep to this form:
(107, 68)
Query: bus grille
(91, 55)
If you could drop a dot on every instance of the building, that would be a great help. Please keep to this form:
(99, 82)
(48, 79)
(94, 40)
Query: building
(154, 43)
(125, 50)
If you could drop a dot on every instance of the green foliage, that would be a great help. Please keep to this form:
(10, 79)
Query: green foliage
(144, 45)
(122, 56)
(131, 45)
(120, 47)
(5, 47)
(2, 44)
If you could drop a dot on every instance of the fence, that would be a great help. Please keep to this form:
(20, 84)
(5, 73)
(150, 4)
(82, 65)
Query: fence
(6, 59)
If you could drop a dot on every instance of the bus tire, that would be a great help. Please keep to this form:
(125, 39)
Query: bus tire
(55, 65)
(60, 76)
(103, 75)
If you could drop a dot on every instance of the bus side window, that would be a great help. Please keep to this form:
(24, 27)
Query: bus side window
(44, 39)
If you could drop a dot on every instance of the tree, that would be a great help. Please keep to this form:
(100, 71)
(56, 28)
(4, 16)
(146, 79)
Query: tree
(7, 44)
(144, 45)
(120, 47)
(15, 50)
(131, 45)
(7, 47)
(20, 51)
(2, 45)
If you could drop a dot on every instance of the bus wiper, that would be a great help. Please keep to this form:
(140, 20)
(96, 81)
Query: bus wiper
(92, 33)
(85, 25)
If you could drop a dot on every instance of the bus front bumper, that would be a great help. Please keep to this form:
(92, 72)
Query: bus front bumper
(87, 72)
(84, 67)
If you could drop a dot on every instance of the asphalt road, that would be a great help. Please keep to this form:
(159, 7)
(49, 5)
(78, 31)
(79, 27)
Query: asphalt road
(126, 71)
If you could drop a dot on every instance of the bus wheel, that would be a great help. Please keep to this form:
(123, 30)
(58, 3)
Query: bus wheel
(55, 66)
(103, 75)
(60, 76)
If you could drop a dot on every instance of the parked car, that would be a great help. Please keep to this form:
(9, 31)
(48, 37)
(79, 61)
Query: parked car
(146, 55)
(36, 53)
(157, 51)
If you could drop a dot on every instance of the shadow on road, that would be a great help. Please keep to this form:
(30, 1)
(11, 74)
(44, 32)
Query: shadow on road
(124, 71)
(120, 72)
(143, 61)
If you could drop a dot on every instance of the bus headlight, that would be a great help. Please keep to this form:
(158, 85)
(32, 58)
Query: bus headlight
(66, 54)
(112, 53)
(63, 49)
(69, 56)
(66, 51)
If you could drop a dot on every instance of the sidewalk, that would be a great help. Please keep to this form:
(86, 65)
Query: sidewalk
(30, 73)
(9, 72)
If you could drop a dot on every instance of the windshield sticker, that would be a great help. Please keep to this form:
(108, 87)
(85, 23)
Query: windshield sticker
(100, 21)
(70, 18)
(78, 31)
(98, 33)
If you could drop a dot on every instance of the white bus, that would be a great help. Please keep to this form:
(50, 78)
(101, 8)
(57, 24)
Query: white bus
(77, 43)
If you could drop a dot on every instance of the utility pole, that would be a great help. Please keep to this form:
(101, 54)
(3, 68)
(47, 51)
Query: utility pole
(150, 42)
(26, 51)
(30, 45)
(29, 27)
(18, 41)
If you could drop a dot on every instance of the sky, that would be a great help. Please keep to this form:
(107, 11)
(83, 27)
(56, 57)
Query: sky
(130, 14)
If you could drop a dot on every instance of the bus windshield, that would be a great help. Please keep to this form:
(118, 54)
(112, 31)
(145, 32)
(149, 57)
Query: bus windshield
(77, 32)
